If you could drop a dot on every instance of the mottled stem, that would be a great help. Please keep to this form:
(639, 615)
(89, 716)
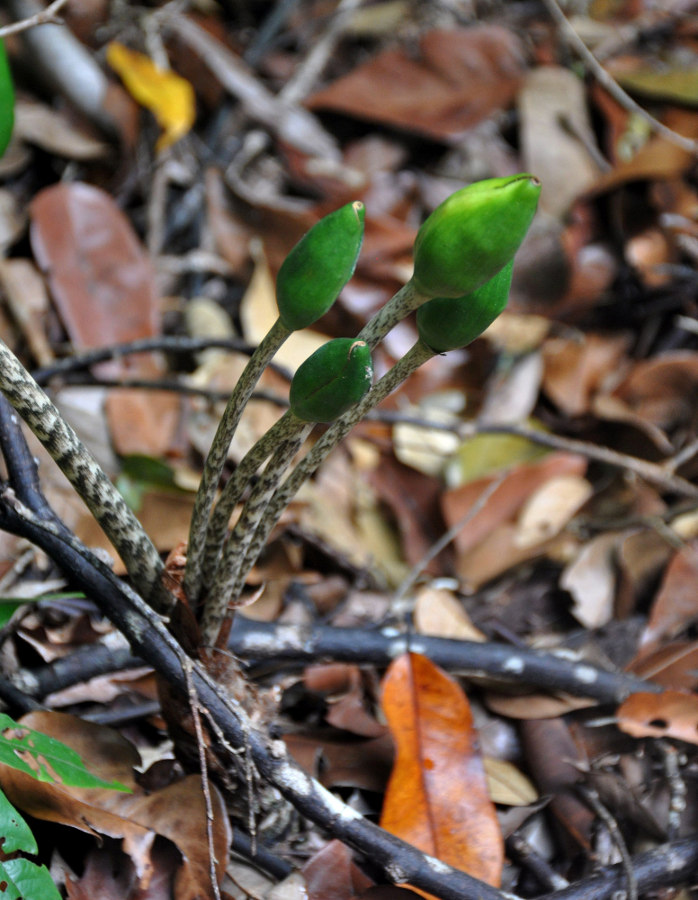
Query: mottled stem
(106, 504)
(413, 359)
(233, 491)
(228, 581)
(400, 305)
(215, 460)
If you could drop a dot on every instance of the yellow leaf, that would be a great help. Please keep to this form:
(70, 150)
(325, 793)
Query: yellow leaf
(168, 96)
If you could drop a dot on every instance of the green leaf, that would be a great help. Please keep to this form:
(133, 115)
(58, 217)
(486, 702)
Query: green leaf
(8, 607)
(45, 758)
(27, 881)
(16, 833)
(140, 474)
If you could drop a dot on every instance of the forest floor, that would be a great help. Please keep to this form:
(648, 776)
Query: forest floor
(455, 617)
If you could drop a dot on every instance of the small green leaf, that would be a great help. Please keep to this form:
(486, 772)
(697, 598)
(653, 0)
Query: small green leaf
(45, 758)
(27, 881)
(315, 271)
(16, 834)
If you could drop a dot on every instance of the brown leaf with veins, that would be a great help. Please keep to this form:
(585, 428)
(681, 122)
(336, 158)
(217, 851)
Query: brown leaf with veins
(437, 797)
(103, 284)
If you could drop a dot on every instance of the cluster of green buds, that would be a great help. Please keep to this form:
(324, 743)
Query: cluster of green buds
(463, 262)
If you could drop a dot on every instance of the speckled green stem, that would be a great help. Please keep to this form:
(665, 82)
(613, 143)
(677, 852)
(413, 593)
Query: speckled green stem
(215, 460)
(400, 305)
(227, 584)
(287, 426)
(413, 359)
(106, 504)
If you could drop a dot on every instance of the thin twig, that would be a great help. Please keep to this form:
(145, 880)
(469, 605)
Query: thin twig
(649, 471)
(306, 74)
(611, 85)
(592, 799)
(205, 786)
(165, 342)
(48, 16)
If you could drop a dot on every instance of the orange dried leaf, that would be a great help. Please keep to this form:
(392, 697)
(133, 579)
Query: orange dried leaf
(672, 714)
(168, 96)
(437, 797)
(674, 607)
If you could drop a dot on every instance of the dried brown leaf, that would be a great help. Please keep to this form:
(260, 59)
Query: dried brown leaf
(458, 78)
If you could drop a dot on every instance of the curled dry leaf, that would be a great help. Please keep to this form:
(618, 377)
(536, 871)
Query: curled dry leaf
(673, 665)
(671, 714)
(661, 390)
(487, 543)
(332, 873)
(555, 134)
(507, 784)
(591, 580)
(439, 614)
(575, 370)
(437, 796)
(674, 608)
(549, 509)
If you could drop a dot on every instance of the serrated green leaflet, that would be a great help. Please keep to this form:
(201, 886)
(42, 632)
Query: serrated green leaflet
(45, 758)
(24, 880)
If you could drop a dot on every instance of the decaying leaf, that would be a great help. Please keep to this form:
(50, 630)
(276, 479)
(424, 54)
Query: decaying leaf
(671, 714)
(550, 508)
(438, 613)
(591, 579)
(555, 133)
(437, 797)
(103, 283)
(674, 607)
(458, 77)
(507, 785)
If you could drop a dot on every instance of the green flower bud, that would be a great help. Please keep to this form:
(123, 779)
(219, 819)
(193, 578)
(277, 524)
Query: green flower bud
(318, 267)
(7, 101)
(447, 323)
(472, 234)
(332, 380)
